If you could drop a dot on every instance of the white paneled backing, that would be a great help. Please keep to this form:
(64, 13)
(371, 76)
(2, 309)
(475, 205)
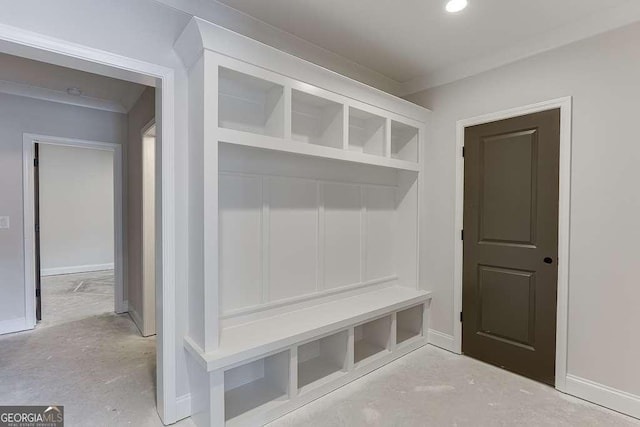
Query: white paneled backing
(342, 234)
(283, 238)
(379, 243)
(293, 237)
(240, 241)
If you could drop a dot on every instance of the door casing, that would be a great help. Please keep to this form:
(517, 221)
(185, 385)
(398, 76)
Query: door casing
(565, 106)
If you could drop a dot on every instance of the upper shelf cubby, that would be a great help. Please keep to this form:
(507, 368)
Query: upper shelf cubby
(316, 120)
(366, 132)
(250, 104)
(404, 142)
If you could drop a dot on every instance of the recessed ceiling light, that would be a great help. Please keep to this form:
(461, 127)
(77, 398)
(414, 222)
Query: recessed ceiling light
(454, 6)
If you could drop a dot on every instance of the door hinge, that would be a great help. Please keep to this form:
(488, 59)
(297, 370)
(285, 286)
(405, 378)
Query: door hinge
(462, 235)
(460, 317)
(35, 163)
(37, 293)
(37, 228)
(463, 151)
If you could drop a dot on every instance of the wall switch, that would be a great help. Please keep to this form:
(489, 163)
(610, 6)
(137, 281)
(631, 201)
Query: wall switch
(4, 222)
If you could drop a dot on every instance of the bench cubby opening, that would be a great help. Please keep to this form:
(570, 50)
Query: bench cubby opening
(409, 323)
(371, 339)
(256, 386)
(322, 360)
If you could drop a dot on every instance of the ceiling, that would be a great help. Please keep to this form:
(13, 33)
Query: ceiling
(407, 40)
(21, 76)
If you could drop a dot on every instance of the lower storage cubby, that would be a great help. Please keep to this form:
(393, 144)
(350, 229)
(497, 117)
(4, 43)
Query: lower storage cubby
(409, 324)
(256, 386)
(371, 339)
(322, 360)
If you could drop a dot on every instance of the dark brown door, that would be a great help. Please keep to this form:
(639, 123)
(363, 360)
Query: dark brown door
(511, 178)
(36, 214)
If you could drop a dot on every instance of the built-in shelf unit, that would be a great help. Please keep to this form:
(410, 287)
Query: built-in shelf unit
(304, 232)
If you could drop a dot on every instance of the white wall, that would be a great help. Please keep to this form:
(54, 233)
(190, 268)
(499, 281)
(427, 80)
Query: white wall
(602, 76)
(20, 115)
(76, 209)
(139, 116)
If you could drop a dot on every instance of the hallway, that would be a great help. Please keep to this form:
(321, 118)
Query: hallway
(99, 368)
(83, 356)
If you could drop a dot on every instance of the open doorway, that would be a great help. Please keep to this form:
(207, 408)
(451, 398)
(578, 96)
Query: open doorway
(78, 221)
(18, 313)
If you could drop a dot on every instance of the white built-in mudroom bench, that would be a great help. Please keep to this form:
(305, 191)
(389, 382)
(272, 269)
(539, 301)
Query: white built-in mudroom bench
(304, 232)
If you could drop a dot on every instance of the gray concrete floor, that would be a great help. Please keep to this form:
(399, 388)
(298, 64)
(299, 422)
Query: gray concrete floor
(70, 297)
(97, 365)
(432, 387)
(83, 356)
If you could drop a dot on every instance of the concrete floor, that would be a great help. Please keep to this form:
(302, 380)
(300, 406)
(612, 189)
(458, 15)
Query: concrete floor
(82, 356)
(71, 297)
(432, 387)
(103, 372)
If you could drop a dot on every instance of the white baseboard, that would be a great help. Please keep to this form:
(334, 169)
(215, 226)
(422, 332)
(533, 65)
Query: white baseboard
(136, 318)
(122, 308)
(439, 339)
(75, 269)
(13, 325)
(603, 395)
(183, 406)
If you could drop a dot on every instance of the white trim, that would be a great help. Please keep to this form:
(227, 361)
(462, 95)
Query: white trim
(443, 341)
(136, 318)
(201, 35)
(28, 141)
(183, 406)
(56, 271)
(147, 328)
(603, 395)
(14, 325)
(151, 123)
(565, 105)
(48, 49)
(44, 94)
(235, 20)
(592, 25)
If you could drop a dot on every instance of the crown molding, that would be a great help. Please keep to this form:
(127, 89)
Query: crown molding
(27, 91)
(590, 26)
(246, 25)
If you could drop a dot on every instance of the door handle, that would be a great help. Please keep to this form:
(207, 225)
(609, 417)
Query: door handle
(548, 260)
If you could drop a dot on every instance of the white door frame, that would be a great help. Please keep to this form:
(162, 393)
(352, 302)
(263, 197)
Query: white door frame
(146, 322)
(28, 44)
(565, 105)
(28, 142)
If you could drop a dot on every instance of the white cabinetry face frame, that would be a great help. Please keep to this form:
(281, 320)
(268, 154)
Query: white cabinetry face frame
(215, 135)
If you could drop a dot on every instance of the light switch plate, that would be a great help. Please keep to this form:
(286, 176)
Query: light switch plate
(4, 222)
